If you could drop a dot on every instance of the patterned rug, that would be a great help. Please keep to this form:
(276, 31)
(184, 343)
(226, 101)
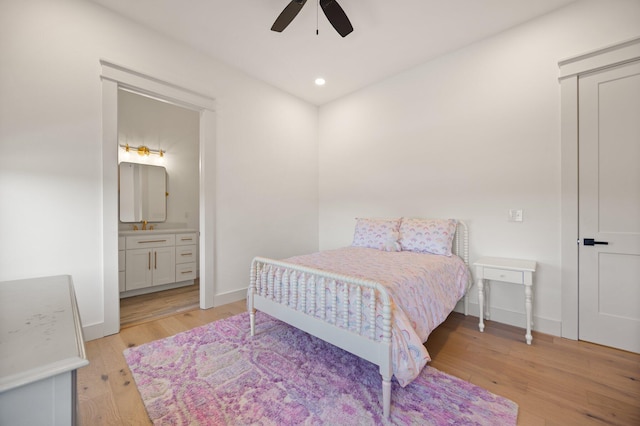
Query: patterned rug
(218, 374)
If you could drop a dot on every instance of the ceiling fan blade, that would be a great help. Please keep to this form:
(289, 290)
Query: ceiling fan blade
(336, 16)
(287, 15)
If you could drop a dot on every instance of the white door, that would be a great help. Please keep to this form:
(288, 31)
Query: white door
(609, 202)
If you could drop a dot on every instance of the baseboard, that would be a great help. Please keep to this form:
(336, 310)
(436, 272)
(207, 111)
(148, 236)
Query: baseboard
(96, 331)
(517, 319)
(93, 331)
(229, 297)
(155, 289)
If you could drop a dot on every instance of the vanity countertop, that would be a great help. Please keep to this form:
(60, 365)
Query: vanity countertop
(157, 231)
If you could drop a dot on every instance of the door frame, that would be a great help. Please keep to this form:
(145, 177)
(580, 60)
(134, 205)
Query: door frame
(115, 77)
(570, 71)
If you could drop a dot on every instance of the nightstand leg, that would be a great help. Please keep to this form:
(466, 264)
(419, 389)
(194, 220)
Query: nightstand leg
(528, 305)
(481, 304)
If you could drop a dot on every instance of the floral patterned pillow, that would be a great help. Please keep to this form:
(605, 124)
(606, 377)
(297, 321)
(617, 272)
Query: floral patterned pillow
(380, 234)
(433, 236)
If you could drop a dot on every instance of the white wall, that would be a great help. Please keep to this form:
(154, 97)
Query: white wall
(469, 135)
(175, 130)
(51, 139)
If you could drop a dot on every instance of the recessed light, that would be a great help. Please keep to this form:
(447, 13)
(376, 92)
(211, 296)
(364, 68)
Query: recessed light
(320, 81)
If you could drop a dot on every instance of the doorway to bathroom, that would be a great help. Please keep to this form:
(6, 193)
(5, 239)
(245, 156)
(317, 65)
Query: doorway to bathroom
(116, 78)
(158, 160)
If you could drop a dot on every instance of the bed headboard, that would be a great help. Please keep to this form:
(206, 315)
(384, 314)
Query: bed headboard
(461, 242)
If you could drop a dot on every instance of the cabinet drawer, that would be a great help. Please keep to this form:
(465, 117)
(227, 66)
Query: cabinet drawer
(186, 239)
(185, 271)
(150, 240)
(503, 275)
(186, 254)
(122, 243)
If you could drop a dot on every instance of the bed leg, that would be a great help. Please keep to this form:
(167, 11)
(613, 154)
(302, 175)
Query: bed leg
(252, 320)
(466, 305)
(386, 397)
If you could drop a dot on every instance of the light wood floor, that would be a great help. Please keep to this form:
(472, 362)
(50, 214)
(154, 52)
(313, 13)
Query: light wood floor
(147, 307)
(554, 381)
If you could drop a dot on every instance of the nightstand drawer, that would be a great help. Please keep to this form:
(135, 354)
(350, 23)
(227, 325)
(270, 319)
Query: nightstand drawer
(503, 275)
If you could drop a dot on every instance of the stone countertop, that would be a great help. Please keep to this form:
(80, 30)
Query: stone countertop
(157, 231)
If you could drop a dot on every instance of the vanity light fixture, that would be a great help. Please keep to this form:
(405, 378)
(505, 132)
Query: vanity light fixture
(143, 150)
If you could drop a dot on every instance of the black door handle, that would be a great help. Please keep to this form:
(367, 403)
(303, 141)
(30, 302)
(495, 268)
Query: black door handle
(592, 242)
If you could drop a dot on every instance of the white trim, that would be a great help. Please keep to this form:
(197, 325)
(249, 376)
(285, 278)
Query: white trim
(569, 207)
(230, 297)
(207, 208)
(94, 331)
(111, 299)
(155, 288)
(161, 90)
(570, 71)
(517, 319)
(596, 60)
(115, 77)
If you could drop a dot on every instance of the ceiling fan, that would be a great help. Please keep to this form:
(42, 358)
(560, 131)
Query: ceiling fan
(331, 9)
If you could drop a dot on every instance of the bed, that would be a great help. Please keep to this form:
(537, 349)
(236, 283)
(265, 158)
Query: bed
(379, 298)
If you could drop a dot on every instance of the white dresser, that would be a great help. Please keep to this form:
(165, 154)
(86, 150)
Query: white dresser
(41, 347)
(156, 260)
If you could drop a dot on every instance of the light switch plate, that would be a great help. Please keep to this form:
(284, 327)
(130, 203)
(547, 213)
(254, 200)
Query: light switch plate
(515, 215)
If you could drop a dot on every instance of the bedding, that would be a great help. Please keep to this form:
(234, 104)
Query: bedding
(433, 236)
(424, 289)
(380, 234)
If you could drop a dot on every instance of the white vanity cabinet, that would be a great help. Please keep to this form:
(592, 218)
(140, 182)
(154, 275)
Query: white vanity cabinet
(156, 260)
(150, 261)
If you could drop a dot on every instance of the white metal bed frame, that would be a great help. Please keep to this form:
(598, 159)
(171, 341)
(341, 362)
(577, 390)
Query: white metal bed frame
(286, 278)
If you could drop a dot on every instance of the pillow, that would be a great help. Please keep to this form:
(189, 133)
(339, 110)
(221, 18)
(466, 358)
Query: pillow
(380, 234)
(433, 236)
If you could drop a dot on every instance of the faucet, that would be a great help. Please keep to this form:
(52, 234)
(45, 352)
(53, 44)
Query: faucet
(144, 225)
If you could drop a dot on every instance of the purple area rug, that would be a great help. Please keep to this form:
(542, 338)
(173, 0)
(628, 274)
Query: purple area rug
(218, 374)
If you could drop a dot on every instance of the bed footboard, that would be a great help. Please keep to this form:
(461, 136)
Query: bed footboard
(350, 313)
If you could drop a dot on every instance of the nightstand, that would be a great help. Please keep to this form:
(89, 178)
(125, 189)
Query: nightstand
(513, 271)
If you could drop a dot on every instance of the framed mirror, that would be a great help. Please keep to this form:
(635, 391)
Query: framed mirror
(143, 192)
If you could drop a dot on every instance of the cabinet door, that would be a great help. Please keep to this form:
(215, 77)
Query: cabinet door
(138, 270)
(163, 264)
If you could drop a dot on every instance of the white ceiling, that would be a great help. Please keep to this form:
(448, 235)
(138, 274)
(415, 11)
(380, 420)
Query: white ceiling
(389, 36)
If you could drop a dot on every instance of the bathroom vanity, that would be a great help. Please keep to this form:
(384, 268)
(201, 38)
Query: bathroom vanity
(151, 259)
(156, 260)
